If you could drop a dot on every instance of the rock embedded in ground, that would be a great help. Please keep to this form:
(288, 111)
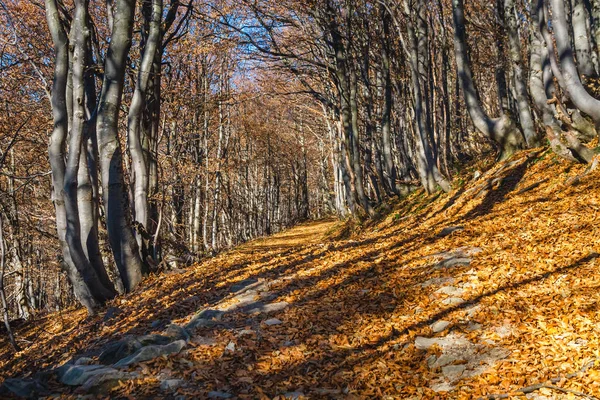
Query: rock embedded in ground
(171, 384)
(437, 281)
(219, 395)
(451, 291)
(447, 231)
(453, 301)
(98, 379)
(176, 332)
(453, 372)
(439, 326)
(270, 307)
(294, 395)
(273, 321)
(28, 388)
(151, 352)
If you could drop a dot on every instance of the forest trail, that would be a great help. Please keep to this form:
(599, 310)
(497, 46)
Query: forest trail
(487, 289)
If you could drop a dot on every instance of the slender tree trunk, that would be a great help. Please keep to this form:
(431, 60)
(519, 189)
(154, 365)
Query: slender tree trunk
(139, 161)
(522, 96)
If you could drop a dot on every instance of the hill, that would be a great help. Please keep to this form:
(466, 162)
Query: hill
(488, 289)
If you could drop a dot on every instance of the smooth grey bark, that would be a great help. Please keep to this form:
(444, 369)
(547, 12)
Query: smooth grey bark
(501, 130)
(5, 316)
(423, 84)
(581, 38)
(139, 162)
(595, 25)
(56, 151)
(79, 39)
(519, 79)
(577, 92)
(120, 234)
(542, 90)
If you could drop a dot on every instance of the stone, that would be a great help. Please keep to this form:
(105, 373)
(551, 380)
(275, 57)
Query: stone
(27, 388)
(444, 360)
(246, 283)
(423, 343)
(115, 351)
(84, 361)
(219, 395)
(246, 332)
(203, 341)
(268, 308)
(294, 395)
(437, 281)
(439, 326)
(454, 262)
(92, 378)
(207, 317)
(447, 231)
(503, 331)
(453, 301)
(151, 352)
(171, 384)
(473, 326)
(451, 291)
(441, 387)
(453, 372)
(176, 332)
(159, 323)
(230, 347)
(273, 321)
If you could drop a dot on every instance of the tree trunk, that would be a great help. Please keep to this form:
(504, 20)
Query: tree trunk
(501, 131)
(522, 97)
(120, 234)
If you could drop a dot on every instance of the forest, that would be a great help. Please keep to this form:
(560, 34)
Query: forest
(299, 199)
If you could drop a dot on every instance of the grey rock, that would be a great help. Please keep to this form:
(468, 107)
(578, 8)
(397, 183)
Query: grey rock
(444, 360)
(27, 388)
(273, 321)
(453, 301)
(294, 395)
(451, 291)
(504, 331)
(454, 262)
(203, 341)
(230, 347)
(205, 318)
(171, 384)
(423, 343)
(439, 326)
(450, 230)
(151, 352)
(95, 378)
(473, 326)
(453, 372)
(115, 351)
(271, 307)
(84, 361)
(219, 395)
(176, 332)
(442, 387)
(246, 332)
(245, 284)
(159, 323)
(437, 281)
(180, 397)
(431, 360)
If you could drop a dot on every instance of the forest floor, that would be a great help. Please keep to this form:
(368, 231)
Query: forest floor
(488, 289)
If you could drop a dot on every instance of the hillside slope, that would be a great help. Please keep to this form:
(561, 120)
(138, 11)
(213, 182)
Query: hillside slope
(487, 289)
